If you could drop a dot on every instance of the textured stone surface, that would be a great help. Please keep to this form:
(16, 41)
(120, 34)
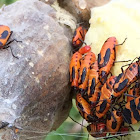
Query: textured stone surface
(34, 89)
(49, 1)
(72, 6)
(80, 9)
(96, 3)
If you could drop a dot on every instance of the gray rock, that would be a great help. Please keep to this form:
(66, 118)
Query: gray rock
(34, 89)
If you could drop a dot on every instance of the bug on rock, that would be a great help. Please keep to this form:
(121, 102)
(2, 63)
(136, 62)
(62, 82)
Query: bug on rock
(78, 37)
(106, 57)
(126, 78)
(5, 35)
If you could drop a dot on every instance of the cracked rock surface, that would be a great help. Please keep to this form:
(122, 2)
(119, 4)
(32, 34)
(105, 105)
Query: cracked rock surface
(34, 89)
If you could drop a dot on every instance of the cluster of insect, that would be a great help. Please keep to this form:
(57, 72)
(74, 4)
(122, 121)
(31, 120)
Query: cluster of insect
(110, 104)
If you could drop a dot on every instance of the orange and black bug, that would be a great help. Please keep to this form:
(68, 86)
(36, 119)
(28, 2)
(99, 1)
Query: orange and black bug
(106, 97)
(97, 129)
(131, 112)
(78, 37)
(114, 121)
(134, 92)
(106, 58)
(94, 85)
(74, 69)
(84, 108)
(86, 61)
(5, 35)
(75, 65)
(126, 78)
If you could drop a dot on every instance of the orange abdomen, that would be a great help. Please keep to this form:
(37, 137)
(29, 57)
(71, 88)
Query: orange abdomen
(74, 69)
(105, 98)
(87, 60)
(106, 58)
(125, 79)
(94, 84)
(114, 121)
(4, 35)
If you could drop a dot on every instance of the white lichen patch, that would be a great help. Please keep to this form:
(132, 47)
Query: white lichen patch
(12, 63)
(36, 79)
(25, 86)
(18, 55)
(82, 4)
(1, 93)
(14, 106)
(64, 17)
(27, 42)
(33, 73)
(31, 64)
(21, 46)
(46, 27)
(49, 36)
(45, 119)
(27, 59)
(40, 52)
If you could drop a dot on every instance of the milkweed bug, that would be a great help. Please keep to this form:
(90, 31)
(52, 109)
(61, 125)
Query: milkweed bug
(78, 37)
(84, 108)
(106, 57)
(86, 61)
(106, 97)
(94, 85)
(75, 66)
(134, 91)
(97, 129)
(131, 112)
(114, 121)
(74, 69)
(126, 78)
(5, 35)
